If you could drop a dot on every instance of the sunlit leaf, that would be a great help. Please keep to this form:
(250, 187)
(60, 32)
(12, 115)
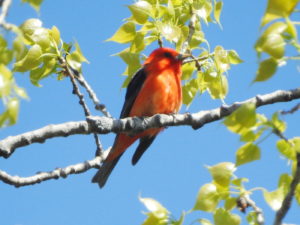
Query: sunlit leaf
(207, 199)
(266, 70)
(187, 71)
(242, 119)
(230, 203)
(218, 87)
(277, 9)
(37, 74)
(34, 3)
(278, 123)
(5, 81)
(138, 43)
(21, 92)
(217, 11)
(55, 34)
(285, 182)
(222, 217)
(13, 110)
(222, 173)
(157, 213)
(124, 34)
(234, 57)
(247, 153)
(140, 11)
(286, 149)
(204, 222)
(189, 91)
(30, 61)
(274, 198)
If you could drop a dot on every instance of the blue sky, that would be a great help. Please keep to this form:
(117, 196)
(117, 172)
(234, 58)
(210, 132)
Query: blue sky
(173, 168)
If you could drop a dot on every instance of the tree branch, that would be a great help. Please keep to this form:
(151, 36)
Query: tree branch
(5, 4)
(93, 96)
(292, 110)
(72, 75)
(55, 174)
(286, 204)
(104, 125)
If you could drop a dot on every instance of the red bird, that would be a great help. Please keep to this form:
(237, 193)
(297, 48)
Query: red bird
(155, 88)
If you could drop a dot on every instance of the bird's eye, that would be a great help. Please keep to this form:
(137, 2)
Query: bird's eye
(168, 55)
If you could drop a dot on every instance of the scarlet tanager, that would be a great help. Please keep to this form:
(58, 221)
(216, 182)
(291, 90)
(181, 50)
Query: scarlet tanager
(155, 88)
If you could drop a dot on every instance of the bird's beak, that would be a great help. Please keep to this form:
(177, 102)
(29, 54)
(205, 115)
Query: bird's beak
(182, 57)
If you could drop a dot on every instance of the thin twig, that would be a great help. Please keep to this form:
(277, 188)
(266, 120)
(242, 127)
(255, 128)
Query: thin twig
(132, 125)
(292, 110)
(71, 73)
(92, 95)
(245, 201)
(55, 174)
(192, 25)
(286, 204)
(199, 59)
(5, 4)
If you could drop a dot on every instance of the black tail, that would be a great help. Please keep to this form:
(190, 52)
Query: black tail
(104, 171)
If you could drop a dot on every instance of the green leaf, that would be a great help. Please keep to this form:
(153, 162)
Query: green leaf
(285, 182)
(234, 57)
(239, 182)
(277, 123)
(55, 34)
(207, 199)
(39, 73)
(230, 203)
(28, 28)
(30, 61)
(138, 43)
(13, 110)
(204, 222)
(76, 58)
(189, 91)
(180, 221)
(203, 9)
(286, 149)
(157, 213)
(21, 92)
(274, 198)
(291, 29)
(19, 48)
(221, 59)
(222, 217)
(266, 70)
(218, 87)
(217, 11)
(247, 153)
(140, 11)
(187, 71)
(242, 119)
(126, 33)
(252, 218)
(222, 173)
(170, 32)
(132, 60)
(6, 80)
(277, 9)
(34, 3)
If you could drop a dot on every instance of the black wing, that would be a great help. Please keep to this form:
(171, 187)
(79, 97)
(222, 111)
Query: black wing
(133, 89)
(145, 142)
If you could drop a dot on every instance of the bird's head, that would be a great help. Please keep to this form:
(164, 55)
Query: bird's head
(163, 58)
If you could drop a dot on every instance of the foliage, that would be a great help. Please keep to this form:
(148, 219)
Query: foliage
(170, 21)
(36, 50)
(41, 52)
